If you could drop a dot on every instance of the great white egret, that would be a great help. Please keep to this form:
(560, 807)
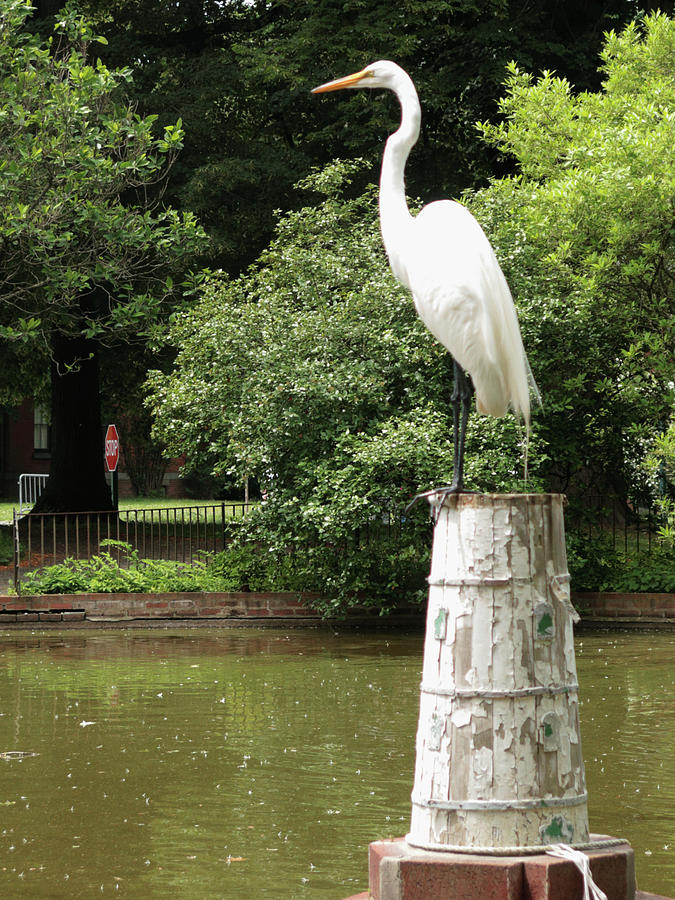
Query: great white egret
(443, 256)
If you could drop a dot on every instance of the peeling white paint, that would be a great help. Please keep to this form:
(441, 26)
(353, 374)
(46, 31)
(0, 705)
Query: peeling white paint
(461, 717)
(492, 679)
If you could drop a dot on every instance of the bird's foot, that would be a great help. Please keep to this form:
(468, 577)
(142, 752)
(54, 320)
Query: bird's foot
(441, 492)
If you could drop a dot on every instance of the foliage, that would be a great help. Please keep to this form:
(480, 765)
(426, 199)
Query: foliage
(591, 560)
(239, 74)
(251, 567)
(87, 248)
(313, 373)
(654, 571)
(377, 566)
(660, 466)
(595, 564)
(244, 568)
(90, 254)
(585, 235)
(120, 570)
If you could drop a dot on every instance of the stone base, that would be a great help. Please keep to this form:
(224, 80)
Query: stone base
(401, 872)
(639, 895)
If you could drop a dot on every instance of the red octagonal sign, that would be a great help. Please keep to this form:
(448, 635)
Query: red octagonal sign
(112, 448)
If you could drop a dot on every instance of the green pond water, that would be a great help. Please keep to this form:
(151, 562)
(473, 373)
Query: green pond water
(260, 764)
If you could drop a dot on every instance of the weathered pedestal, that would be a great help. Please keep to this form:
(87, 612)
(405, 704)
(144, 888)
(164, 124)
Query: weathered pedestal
(499, 773)
(499, 763)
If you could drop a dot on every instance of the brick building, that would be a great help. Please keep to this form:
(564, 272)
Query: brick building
(25, 449)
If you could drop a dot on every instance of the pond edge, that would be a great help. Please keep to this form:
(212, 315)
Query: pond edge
(644, 610)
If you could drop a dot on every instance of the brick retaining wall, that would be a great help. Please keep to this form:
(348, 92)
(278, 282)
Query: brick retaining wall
(596, 609)
(637, 609)
(189, 605)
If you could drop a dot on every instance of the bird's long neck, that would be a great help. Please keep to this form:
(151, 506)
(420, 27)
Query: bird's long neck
(394, 214)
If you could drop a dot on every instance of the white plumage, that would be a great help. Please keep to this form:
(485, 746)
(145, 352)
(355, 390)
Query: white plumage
(443, 256)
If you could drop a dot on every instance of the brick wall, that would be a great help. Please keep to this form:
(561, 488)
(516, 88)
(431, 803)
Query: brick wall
(643, 607)
(69, 607)
(595, 608)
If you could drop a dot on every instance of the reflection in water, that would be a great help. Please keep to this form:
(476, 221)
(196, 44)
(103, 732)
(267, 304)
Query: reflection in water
(245, 764)
(628, 735)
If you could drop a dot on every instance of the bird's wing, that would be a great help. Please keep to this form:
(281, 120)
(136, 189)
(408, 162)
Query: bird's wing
(462, 297)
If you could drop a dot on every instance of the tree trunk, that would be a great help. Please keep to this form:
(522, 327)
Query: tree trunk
(77, 479)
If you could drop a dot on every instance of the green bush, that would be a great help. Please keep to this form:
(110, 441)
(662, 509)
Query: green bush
(596, 565)
(591, 561)
(242, 567)
(380, 570)
(105, 574)
(6, 546)
(318, 378)
(364, 568)
(653, 571)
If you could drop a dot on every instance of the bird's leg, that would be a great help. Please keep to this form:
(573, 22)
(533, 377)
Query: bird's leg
(456, 405)
(462, 393)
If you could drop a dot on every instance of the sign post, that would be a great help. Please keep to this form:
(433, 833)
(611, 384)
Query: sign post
(112, 456)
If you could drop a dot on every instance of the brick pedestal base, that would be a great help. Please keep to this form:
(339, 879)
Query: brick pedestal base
(401, 872)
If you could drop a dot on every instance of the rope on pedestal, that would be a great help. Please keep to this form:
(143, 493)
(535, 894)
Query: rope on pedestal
(582, 862)
(530, 850)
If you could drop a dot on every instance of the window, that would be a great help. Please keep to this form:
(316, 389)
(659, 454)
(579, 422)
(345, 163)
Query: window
(41, 430)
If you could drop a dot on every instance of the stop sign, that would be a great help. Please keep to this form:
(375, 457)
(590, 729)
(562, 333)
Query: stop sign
(112, 448)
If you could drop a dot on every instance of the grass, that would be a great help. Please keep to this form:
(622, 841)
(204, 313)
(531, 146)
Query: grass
(6, 506)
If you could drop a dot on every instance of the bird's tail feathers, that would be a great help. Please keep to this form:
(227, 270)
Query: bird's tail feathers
(526, 452)
(532, 384)
(533, 395)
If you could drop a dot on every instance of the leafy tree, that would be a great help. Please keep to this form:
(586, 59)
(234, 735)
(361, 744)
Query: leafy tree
(585, 232)
(313, 373)
(87, 250)
(239, 74)
(660, 468)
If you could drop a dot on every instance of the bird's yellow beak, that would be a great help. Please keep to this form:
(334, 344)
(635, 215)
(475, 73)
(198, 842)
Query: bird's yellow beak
(340, 83)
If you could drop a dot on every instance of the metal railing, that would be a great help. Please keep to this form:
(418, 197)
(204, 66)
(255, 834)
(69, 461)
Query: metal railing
(182, 533)
(31, 486)
(629, 526)
(179, 533)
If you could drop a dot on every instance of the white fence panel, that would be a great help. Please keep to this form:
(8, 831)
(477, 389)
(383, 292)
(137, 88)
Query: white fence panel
(30, 488)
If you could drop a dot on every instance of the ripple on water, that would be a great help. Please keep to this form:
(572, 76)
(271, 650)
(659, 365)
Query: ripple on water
(249, 763)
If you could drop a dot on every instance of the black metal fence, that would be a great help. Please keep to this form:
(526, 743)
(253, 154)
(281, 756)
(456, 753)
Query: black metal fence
(182, 533)
(629, 526)
(179, 533)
